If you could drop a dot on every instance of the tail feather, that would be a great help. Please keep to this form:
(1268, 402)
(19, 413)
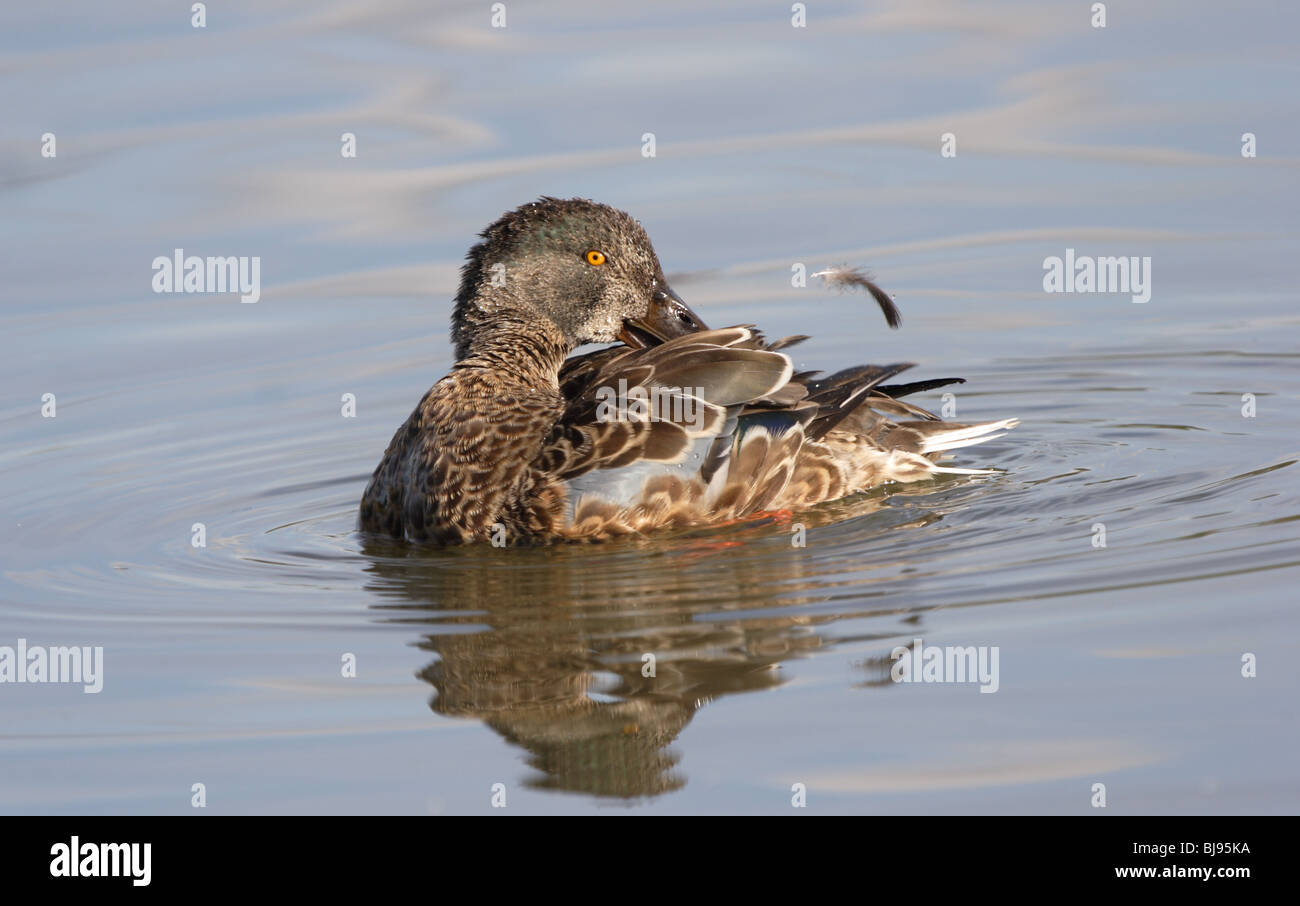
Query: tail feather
(948, 470)
(943, 436)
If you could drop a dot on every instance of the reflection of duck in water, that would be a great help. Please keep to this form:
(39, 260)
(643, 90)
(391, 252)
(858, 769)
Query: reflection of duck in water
(548, 647)
(680, 425)
(615, 746)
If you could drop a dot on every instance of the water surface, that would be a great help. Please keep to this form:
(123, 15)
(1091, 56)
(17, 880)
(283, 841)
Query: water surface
(775, 146)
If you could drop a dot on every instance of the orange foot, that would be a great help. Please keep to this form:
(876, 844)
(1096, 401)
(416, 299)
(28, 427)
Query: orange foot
(698, 549)
(781, 517)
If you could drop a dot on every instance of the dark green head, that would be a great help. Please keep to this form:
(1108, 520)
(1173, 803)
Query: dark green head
(584, 269)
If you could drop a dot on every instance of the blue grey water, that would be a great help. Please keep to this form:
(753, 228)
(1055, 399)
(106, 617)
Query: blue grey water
(1172, 423)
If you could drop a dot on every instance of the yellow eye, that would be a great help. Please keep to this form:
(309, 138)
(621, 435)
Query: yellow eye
(595, 258)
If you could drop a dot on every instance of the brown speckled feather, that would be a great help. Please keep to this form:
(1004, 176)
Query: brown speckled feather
(482, 451)
(463, 462)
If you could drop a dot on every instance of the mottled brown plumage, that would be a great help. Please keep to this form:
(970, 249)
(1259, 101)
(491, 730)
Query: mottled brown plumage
(677, 426)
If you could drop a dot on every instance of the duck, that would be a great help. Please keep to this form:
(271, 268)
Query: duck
(527, 441)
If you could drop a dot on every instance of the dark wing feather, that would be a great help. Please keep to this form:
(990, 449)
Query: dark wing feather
(897, 390)
(761, 415)
(842, 392)
(703, 373)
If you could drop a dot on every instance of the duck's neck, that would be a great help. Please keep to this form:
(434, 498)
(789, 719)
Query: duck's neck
(520, 344)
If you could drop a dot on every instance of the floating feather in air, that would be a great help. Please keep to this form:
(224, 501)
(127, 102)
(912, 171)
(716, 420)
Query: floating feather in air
(843, 278)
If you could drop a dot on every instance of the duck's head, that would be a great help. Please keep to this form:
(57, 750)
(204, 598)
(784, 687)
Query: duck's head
(579, 271)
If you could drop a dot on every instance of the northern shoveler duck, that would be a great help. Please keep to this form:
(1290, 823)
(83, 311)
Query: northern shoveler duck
(677, 425)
